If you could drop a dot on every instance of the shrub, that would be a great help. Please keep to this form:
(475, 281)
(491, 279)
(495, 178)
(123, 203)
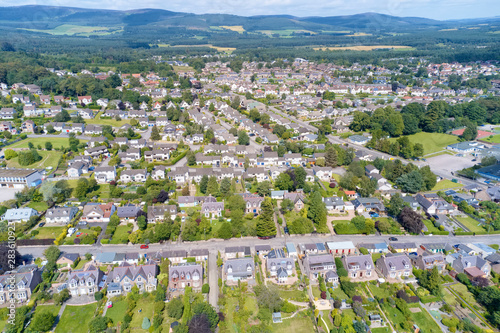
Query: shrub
(205, 288)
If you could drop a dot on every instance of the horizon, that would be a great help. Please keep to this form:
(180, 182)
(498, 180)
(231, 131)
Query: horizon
(400, 8)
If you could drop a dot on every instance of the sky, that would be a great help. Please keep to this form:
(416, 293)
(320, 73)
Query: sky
(435, 9)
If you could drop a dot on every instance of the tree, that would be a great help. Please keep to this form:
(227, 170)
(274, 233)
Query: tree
(225, 187)
(141, 222)
(236, 202)
(81, 189)
(155, 134)
(99, 324)
(268, 297)
(209, 311)
(360, 122)
(61, 297)
(395, 205)
(199, 324)
(284, 182)
(317, 210)
(191, 159)
(331, 157)
(225, 231)
(286, 206)
(48, 145)
(301, 225)
(146, 323)
(52, 253)
(175, 308)
(115, 161)
(411, 182)
(212, 186)
(264, 188)
(243, 138)
(410, 220)
(265, 223)
(204, 184)
(43, 321)
(10, 154)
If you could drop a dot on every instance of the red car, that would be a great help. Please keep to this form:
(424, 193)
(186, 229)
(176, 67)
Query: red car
(144, 247)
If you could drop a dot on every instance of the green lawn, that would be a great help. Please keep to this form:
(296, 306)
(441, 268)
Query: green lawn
(430, 226)
(112, 122)
(121, 234)
(493, 138)
(432, 142)
(425, 322)
(301, 323)
(394, 315)
(48, 232)
(117, 312)
(377, 291)
(52, 308)
(445, 184)
(146, 305)
(49, 159)
(81, 264)
(338, 293)
(470, 223)
(380, 330)
(293, 294)
(376, 256)
(56, 142)
(76, 319)
(39, 206)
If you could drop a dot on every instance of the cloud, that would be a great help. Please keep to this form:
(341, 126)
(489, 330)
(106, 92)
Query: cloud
(437, 9)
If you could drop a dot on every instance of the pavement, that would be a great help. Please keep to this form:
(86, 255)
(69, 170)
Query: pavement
(213, 279)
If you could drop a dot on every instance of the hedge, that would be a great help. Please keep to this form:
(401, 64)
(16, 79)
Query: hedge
(470, 233)
(438, 233)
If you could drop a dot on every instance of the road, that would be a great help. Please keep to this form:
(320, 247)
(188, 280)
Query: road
(213, 279)
(279, 242)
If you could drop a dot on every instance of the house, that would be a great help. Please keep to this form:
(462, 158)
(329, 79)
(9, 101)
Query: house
(17, 215)
(374, 247)
(158, 172)
(104, 174)
(17, 286)
(199, 254)
(160, 212)
(297, 198)
(128, 213)
(236, 251)
(212, 209)
(95, 212)
(62, 215)
(334, 204)
(434, 205)
(279, 266)
(122, 278)
(239, 269)
(359, 139)
(341, 248)
(7, 113)
(253, 204)
(84, 100)
(19, 178)
(368, 204)
(96, 151)
(68, 259)
(75, 170)
(404, 247)
(134, 175)
(411, 202)
(323, 173)
(185, 275)
(473, 266)
(466, 147)
(427, 261)
(291, 250)
(28, 126)
(85, 281)
(394, 267)
(359, 268)
(175, 256)
(86, 113)
(321, 265)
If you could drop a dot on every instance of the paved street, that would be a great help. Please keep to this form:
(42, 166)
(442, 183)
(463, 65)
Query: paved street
(215, 245)
(213, 279)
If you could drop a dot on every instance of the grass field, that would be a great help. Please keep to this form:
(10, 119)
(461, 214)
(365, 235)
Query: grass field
(218, 48)
(362, 47)
(301, 323)
(443, 152)
(470, 223)
(236, 28)
(38, 206)
(75, 319)
(146, 305)
(56, 142)
(117, 312)
(493, 138)
(285, 32)
(78, 30)
(432, 142)
(425, 322)
(112, 122)
(49, 159)
(48, 232)
(121, 235)
(445, 184)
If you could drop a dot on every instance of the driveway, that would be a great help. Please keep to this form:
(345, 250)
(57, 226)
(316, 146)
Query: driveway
(8, 193)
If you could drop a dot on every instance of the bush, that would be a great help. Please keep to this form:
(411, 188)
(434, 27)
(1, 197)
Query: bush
(205, 288)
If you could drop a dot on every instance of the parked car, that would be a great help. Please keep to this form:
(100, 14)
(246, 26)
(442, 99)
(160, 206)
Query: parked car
(41, 224)
(374, 214)
(144, 247)
(393, 239)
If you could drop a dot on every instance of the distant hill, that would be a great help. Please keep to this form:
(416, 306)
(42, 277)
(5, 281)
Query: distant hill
(48, 17)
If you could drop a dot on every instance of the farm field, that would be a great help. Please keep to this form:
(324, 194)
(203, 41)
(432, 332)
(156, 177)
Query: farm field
(432, 142)
(218, 48)
(362, 47)
(78, 30)
(236, 28)
(76, 319)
